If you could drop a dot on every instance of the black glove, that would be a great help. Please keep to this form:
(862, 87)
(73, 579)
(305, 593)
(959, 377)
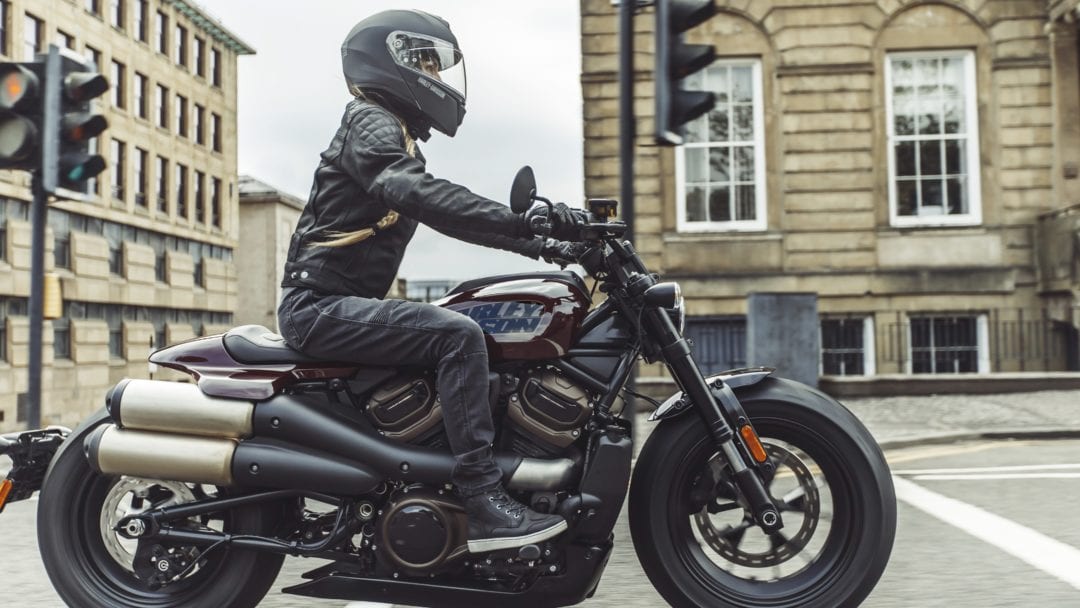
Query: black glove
(558, 221)
(561, 252)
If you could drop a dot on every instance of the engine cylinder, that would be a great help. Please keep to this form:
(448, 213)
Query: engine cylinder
(177, 407)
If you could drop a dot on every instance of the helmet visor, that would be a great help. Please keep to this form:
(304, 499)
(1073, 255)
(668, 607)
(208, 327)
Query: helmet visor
(432, 57)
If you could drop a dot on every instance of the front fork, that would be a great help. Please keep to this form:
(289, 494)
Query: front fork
(681, 362)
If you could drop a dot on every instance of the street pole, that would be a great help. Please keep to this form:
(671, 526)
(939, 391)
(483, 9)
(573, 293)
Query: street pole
(626, 152)
(37, 290)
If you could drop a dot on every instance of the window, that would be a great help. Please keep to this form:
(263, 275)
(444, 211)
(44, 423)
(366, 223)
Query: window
(65, 40)
(933, 139)
(200, 57)
(162, 109)
(141, 83)
(162, 184)
(162, 33)
(181, 45)
(181, 116)
(116, 13)
(719, 343)
(93, 6)
(200, 128)
(949, 344)
(141, 17)
(215, 202)
(215, 131)
(200, 201)
(215, 67)
(114, 317)
(61, 338)
(159, 268)
(118, 73)
(33, 35)
(199, 274)
(140, 178)
(720, 171)
(93, 56)
(118, 169)
(181, 191)
(116, 260)
(847, 346)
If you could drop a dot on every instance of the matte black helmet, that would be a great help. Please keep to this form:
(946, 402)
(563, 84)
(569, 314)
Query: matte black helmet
(409, 60)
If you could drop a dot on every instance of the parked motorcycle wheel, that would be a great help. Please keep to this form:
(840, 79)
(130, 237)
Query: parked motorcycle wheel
(89, 564)
(833, 488)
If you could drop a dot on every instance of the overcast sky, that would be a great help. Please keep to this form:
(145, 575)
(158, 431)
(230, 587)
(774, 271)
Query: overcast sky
(523, 64)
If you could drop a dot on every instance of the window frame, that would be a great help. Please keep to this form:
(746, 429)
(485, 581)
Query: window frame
(971, 119)
(760, 222)
(982, 341)
(869, 343)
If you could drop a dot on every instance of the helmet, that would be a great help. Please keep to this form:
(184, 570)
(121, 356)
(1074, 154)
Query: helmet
(409, 60)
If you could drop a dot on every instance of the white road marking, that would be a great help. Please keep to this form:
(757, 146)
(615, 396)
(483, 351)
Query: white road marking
(1051, 556)
(995, 476)
(1009, 469)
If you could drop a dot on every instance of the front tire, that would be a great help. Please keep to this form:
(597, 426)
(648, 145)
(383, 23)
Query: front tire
(836, 496)
(87, 566)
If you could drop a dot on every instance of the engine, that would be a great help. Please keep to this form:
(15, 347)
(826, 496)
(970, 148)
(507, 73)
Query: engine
(406, 408)
(421, 530)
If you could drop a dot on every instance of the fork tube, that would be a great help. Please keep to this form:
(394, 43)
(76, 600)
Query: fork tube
(681, 363)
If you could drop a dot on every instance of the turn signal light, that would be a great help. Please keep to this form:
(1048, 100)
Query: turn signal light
(5, 489)
(752, 442)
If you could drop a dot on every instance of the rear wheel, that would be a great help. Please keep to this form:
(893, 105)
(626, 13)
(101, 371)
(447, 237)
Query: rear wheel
(697, 541)
(90, 564)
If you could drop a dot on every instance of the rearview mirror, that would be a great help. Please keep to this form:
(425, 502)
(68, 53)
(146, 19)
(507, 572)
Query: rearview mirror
(522, 190)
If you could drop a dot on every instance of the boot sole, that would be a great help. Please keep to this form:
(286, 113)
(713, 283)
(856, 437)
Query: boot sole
(509, 542)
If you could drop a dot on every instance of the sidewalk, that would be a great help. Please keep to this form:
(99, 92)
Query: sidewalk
(903, 421)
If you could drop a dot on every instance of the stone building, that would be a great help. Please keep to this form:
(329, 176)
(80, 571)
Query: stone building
(150, 260)
(268, 216)
(893, 157)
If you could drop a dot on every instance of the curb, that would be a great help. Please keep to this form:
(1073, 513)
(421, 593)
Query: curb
(999, 434)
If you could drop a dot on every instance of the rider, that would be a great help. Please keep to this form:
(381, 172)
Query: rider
(406, 74)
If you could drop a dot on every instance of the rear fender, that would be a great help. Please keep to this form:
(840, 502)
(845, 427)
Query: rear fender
(733, 379)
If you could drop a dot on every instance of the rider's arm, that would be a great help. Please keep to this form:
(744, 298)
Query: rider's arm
(529, 248)
(373, 153)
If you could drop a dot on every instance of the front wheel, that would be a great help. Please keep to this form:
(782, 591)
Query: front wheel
(697, 541)
(90, 564)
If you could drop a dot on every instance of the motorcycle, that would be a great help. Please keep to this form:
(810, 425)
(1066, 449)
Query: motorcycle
(751, 491)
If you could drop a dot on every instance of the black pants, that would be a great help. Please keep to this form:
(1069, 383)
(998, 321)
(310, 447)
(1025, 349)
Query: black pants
(396, 332)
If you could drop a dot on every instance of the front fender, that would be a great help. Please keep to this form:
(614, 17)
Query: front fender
(734, 378)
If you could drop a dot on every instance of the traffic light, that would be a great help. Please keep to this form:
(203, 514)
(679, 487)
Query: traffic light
(675, 61)
(20, 115)
(71, 84)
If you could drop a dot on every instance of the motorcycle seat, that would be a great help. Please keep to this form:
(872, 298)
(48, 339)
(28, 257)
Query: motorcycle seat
(256, 344)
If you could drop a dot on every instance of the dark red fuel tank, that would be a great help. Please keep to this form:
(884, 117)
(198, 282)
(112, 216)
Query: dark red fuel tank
(533, 315)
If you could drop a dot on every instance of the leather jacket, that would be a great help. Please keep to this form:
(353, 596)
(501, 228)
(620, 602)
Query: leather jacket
(366, 172)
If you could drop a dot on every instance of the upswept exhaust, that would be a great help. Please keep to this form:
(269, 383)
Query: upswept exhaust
(177, 407)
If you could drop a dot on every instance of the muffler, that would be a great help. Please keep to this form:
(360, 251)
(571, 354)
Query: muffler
(261, 463)
(177, 407)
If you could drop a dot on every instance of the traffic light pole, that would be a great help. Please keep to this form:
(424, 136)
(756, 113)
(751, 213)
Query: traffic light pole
(37, 292)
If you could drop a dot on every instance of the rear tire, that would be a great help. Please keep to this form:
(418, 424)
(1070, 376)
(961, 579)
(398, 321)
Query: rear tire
(838, 526)
(83, 565)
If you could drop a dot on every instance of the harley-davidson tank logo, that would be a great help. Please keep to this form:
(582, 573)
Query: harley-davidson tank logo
(514, 318)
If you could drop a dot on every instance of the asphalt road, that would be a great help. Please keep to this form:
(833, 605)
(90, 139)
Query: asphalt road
(981, 525)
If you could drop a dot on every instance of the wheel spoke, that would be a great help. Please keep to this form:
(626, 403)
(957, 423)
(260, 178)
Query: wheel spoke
(735, 534)
(718, 507)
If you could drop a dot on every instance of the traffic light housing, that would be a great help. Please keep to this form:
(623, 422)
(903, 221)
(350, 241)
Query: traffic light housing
(676, 60)
(47, 122)
(20, 115)
(71, 85)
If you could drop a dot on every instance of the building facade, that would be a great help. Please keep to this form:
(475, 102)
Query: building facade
(269, 218)
(150, 261)
(893, 157)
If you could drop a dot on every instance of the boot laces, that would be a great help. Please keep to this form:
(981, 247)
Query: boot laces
(505, 502)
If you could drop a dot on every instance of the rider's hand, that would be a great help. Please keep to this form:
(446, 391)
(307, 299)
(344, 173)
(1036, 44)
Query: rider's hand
(558, 221)
(561, 252)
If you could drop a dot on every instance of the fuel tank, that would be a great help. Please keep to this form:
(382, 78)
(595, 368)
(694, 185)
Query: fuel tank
(534, 315)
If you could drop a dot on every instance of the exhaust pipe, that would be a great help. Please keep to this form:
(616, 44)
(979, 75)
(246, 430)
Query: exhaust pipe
(178, 408)
(261, 463)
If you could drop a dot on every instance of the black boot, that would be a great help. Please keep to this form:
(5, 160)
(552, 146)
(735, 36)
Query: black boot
(497, 521)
